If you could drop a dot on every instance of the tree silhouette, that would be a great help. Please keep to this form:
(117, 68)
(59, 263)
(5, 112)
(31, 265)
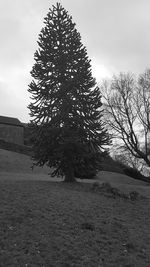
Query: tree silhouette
(66, 103)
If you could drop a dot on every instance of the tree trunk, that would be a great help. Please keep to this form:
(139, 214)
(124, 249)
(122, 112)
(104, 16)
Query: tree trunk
(69, 175)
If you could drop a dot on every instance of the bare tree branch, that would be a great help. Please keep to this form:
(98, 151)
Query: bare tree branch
(127, 112)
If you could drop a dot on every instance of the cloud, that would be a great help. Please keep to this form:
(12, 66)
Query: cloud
(116, 34)
(14, 97)
(100, 71)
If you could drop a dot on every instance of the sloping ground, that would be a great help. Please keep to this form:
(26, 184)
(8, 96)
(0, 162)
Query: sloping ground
(68, 225)
(13, 162)
(124, 183)
(108, 164)
(15, 166)
(43, 223)
(118, 178)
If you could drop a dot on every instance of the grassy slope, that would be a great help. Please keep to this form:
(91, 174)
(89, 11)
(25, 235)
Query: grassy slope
(43, 223)
(18, 163)
(55, 224)
(15, 166)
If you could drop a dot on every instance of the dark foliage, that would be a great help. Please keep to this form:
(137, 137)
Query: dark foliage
(132, 172)
(107, 163)
(88, 171)
(66, 106)
(135, 174)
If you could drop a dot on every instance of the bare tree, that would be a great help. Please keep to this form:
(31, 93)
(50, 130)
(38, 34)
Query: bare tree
(127, 112)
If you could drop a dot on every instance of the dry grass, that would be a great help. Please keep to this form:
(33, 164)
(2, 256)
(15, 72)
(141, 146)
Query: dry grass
(44, 223)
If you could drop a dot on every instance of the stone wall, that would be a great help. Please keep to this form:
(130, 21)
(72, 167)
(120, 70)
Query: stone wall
(11, 133)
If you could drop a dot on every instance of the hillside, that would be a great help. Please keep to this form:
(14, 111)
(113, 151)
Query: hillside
(15, 166)
(18, 163)
(45, 223)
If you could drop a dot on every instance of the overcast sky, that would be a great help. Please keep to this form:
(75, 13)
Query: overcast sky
(115, 32)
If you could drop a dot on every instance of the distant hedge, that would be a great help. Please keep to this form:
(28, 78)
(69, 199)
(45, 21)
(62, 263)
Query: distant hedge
(132, 172)
(27, 150)
(135, 174)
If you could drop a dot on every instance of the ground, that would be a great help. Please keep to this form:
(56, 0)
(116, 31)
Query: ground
(45, 223)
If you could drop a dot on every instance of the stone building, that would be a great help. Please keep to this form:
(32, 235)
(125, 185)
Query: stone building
(11, 130)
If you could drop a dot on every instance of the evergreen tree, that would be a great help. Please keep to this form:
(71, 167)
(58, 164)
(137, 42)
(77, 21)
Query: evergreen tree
(66, 103)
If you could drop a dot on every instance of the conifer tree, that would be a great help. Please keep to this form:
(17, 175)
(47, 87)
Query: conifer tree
(66, 103)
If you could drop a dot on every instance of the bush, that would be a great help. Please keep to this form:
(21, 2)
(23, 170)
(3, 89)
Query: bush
(110, 165)
(132, 172)
(85, 174)
(91, 166)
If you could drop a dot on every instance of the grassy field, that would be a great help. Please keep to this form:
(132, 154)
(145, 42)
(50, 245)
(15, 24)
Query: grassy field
(45, 223)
